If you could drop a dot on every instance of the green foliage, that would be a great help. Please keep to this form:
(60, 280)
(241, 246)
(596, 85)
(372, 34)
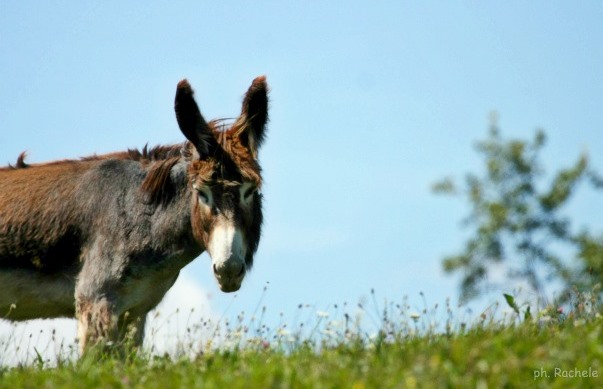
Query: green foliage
(511, 302)
(517, 222)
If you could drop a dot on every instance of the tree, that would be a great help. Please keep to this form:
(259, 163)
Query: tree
(517, 222)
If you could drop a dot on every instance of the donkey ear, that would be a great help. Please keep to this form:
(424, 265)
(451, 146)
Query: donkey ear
(190, 121)
(254, 115)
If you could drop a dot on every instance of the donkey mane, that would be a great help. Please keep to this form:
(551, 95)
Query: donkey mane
(160, 159)
(157, 153)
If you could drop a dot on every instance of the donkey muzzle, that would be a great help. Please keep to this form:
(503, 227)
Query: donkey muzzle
(229, 275)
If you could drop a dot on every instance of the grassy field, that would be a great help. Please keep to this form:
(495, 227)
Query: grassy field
(548, 349)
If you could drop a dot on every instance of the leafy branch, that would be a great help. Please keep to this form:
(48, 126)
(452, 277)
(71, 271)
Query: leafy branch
(517, 223)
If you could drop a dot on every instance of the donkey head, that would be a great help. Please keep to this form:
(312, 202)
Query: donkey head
(225, 180)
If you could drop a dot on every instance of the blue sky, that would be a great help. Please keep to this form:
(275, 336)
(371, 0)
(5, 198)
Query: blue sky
(369, 106)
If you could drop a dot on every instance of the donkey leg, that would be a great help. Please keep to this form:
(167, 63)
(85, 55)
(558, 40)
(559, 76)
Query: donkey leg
(97, 292)
(97, 322)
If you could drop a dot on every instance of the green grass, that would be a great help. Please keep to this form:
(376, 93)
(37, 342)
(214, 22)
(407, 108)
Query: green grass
(406, 351)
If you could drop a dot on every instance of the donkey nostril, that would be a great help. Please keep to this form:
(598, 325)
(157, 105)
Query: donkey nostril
(229, 272)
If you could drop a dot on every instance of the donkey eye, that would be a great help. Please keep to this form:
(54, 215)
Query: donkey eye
(204, 196)
(249, 192)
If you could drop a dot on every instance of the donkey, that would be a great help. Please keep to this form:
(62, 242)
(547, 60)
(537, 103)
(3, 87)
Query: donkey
(104, 237)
